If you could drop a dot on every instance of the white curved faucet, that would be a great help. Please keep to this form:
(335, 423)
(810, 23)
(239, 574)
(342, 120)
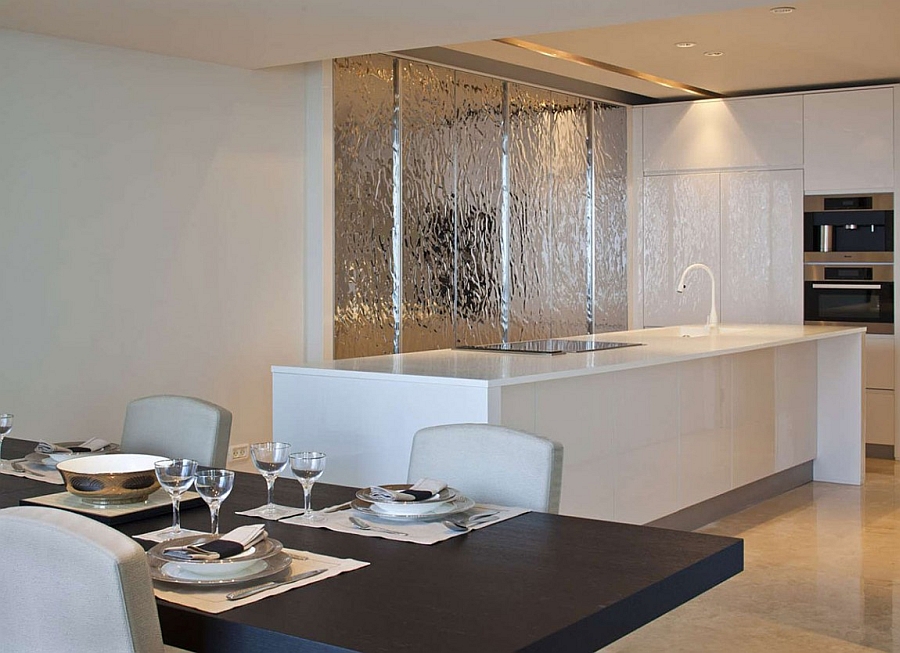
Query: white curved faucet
(713, 320)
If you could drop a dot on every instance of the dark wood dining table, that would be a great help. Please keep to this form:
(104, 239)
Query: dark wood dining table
(538, 582)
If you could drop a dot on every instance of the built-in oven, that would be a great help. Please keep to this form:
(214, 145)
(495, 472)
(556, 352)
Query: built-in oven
(849, 290)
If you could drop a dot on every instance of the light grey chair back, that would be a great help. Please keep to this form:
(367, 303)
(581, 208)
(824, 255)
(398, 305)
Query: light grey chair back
(178, 427)
(490, 464)
(73, 584)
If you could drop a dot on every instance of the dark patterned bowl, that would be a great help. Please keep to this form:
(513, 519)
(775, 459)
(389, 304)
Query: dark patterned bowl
(111, 479)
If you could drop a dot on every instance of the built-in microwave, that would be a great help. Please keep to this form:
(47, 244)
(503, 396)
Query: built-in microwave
(850, 293)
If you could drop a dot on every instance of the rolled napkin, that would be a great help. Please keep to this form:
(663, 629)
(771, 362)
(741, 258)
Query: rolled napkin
(94, 444)
(421, 490)
(230, 544)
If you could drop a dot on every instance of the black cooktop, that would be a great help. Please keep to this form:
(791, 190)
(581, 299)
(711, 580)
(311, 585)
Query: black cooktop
(551, 346)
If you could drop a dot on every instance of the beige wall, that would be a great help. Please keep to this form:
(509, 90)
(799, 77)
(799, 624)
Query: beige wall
(151, 234)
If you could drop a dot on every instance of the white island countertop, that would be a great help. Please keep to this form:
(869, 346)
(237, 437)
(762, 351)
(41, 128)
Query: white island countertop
(490, 369)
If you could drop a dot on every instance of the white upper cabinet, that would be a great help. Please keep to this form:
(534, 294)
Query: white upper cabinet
(749, 133)
(762, 247)
(849, 141)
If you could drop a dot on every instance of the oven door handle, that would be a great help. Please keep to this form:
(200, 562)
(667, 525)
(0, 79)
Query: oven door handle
(847, 286)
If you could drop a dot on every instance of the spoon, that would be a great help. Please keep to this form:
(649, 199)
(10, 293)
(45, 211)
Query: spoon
(366, 526)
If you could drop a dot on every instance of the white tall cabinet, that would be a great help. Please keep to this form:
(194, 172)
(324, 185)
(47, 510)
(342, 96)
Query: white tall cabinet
(722, 185)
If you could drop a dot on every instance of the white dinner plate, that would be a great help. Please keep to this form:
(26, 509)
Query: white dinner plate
(459, 504)
(446, 494)
(181, 573)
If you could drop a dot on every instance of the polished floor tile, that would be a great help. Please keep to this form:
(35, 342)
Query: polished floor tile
(821, 573)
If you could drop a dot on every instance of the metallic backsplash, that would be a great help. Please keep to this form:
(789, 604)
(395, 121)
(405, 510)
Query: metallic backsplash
(470, 210)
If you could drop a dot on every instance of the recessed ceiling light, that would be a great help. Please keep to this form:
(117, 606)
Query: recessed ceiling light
(685, 44)
(713, 53)
(782, 10)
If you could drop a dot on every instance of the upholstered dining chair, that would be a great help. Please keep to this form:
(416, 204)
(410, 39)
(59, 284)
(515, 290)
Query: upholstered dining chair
(75, 585)
(178, 427)
(490, 464)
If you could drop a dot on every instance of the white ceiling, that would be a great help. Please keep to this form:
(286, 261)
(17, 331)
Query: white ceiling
(823, 43)
(262, 33)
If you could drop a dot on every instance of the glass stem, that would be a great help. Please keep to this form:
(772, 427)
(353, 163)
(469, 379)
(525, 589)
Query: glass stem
(176, 514)
(214, 517)
(307, 500)
(270, 488)
(1, 446)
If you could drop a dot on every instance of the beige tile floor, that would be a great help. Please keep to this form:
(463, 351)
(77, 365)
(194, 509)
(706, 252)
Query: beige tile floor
(821, 573)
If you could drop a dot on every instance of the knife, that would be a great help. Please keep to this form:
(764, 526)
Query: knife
(340, 506)
(256, 589)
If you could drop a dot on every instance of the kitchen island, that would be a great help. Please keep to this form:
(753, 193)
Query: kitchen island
(648, 431)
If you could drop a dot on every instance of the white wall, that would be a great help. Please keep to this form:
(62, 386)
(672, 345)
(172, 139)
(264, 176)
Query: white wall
(151, 234)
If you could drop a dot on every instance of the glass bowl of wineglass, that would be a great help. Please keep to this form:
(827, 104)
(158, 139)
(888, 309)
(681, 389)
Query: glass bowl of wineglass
(214, 485)
(270, 459)
(175, 476)
(308, 466)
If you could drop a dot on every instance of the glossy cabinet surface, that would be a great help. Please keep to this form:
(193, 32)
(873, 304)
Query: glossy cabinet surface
(681, 226)
(880, 361)
(880, 417)
(745, 133)
(746, 226)
(762, 247)
(848, 143)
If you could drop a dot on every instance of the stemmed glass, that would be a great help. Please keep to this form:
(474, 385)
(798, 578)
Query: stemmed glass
(308, 466)
(214, 485)
(270, 459)
(175, 476)
(6, 421)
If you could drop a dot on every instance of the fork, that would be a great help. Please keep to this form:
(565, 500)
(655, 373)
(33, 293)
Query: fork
(366, 526)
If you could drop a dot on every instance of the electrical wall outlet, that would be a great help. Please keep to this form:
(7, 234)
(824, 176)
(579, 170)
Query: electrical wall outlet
(240, 451)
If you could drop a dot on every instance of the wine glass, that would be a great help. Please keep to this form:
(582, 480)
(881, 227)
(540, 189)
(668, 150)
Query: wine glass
(214, 485)
(6, 421)
(175, 476)
(308, 466)
(270, 459)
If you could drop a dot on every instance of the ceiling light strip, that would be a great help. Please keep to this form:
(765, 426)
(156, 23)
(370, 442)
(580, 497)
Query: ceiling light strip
(619, 70)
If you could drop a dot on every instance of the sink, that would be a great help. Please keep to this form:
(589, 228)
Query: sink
(703, 331)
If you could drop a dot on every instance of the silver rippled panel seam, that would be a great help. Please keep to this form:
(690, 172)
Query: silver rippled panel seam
(569, 204)
(477, 134)
(428, 236)
(610, 151)
(363, 105)
(531, 235)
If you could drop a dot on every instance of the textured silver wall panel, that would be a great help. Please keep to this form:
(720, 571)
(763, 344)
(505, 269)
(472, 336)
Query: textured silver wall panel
(363, 105)
(569, 206)
(609, 150)
(428, 115)
(507, 205)
(477, 137)
(530, 211)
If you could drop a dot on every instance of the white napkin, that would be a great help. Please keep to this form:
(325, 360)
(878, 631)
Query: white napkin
(421, 490)
(94, 444)
(232, 543)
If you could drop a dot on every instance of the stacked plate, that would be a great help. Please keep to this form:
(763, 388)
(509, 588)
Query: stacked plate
(445, 503)
(50, 460)
(260, 561)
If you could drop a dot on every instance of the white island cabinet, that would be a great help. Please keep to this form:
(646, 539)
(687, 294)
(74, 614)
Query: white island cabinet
(647, 431)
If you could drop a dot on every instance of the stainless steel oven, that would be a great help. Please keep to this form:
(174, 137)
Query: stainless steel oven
(844, 291)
